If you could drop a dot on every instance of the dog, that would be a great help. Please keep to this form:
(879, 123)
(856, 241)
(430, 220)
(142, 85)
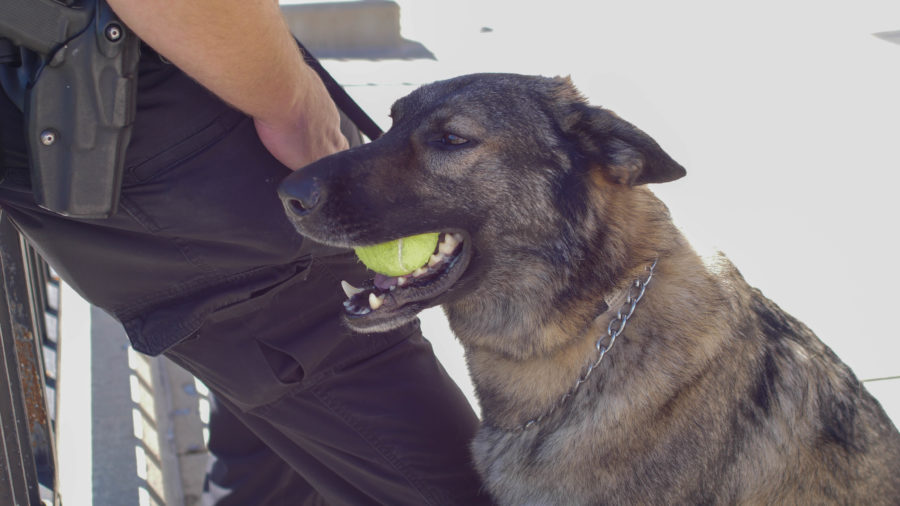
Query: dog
(613, 364)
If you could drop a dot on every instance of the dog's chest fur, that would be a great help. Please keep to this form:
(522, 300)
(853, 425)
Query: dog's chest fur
(766, 412)
(518, 469)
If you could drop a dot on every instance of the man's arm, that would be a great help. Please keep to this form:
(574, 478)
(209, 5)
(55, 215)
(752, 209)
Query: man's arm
(243, 51)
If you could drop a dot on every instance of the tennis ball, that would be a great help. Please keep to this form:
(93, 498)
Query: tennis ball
(399, 257)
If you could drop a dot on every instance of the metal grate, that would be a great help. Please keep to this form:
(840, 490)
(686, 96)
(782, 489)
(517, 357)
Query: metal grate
(28, 373)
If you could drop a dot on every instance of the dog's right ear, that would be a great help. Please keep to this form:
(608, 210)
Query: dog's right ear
(626, 154)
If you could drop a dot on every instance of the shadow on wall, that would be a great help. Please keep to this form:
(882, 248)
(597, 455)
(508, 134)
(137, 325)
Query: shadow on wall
(362, 30)
(892, 36)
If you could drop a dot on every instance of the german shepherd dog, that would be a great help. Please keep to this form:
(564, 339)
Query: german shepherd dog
(552, 250)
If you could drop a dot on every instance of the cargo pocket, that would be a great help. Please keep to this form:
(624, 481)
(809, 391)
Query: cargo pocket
(283, 365)
(237, 351)
(304, 326)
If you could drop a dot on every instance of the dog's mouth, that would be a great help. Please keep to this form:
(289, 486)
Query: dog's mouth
(387, 298)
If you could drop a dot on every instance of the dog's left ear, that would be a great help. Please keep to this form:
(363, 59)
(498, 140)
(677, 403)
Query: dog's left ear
(625, 153)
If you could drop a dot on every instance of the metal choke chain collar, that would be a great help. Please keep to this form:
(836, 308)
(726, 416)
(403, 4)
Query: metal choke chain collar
(615, 327)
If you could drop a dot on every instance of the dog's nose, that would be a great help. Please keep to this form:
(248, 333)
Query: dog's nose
(301, 195)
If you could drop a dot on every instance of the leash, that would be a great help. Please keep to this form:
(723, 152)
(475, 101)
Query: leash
(341, 98)
(615, 327)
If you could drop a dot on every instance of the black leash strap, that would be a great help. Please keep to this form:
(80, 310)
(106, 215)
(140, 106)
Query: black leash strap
(344, 101)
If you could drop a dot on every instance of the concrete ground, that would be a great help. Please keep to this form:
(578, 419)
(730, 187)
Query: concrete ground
(784, 114)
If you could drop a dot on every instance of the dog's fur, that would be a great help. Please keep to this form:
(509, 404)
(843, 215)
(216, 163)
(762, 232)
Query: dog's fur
(712, 394)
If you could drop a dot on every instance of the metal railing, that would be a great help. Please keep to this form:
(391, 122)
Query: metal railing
(28, 365)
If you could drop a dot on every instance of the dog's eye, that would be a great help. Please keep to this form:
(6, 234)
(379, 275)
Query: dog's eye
(453, 140)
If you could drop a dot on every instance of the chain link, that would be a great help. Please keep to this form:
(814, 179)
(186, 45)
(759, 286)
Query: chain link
(635, 294)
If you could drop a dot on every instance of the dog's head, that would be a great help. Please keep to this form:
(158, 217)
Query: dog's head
(498, 162)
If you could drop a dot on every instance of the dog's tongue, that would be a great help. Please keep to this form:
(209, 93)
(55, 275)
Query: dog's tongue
(385, 282)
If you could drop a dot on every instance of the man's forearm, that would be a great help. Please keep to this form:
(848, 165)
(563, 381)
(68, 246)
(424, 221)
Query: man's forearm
(241, 50)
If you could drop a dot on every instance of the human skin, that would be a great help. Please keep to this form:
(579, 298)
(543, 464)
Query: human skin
(243, 51)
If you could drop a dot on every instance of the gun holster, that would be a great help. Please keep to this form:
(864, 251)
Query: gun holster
(76, 81)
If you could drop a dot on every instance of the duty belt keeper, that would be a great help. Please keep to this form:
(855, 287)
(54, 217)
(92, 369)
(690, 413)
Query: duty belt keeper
(79, 100)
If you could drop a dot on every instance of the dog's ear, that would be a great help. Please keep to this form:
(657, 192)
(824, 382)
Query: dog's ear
(625, 153)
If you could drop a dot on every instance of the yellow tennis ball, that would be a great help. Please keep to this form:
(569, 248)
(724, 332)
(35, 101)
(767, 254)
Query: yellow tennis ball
(399, 257)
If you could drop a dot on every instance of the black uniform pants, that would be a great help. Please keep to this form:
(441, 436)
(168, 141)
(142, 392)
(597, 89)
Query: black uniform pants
(201, 264)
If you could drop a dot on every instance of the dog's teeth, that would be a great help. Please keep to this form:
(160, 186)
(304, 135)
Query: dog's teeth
(419, 272)
(449, 244)
(402, 280)
(435, 259)
(350, 290)
(375, 301)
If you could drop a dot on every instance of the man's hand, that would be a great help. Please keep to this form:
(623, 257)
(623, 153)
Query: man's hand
(314, 133)
(243, 51)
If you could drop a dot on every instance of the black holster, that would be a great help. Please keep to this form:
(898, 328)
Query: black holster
(72, 69)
